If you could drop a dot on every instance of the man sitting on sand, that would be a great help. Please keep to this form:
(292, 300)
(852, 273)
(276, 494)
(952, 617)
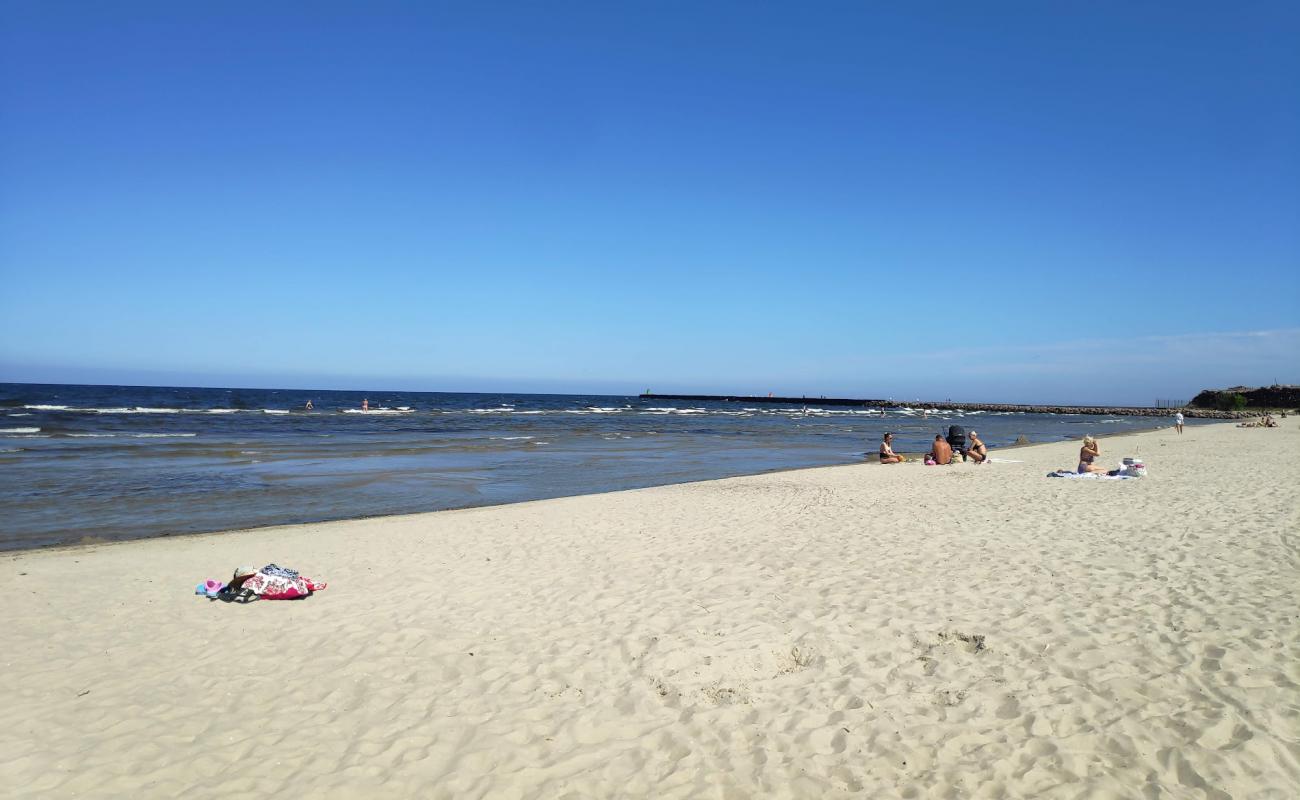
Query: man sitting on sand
(887, 454)
(940, 451)
(976, 451)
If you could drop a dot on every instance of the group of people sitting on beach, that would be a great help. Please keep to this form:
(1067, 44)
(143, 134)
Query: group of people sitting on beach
(1265, 421)
(944, 450)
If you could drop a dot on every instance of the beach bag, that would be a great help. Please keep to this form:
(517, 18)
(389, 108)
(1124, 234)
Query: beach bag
(1132, 467)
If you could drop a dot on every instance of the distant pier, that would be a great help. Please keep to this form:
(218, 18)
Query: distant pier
(1124, 411)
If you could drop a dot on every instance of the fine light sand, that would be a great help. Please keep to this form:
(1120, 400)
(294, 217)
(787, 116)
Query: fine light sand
(881, 631)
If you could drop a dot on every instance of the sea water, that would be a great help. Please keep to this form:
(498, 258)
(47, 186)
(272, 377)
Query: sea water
(87, 463)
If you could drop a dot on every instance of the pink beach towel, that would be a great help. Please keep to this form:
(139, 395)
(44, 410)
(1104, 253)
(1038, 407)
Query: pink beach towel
(280, 587)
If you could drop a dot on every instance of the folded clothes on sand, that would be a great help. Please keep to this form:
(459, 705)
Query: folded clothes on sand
(209, 588)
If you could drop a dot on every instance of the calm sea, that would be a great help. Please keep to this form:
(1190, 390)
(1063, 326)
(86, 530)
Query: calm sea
(83, 463)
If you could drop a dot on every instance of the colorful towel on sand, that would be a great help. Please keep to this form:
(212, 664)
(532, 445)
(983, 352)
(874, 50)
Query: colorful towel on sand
(1065, 473)
(281, 587)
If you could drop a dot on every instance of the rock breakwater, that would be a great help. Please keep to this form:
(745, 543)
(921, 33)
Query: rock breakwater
(1123, 411)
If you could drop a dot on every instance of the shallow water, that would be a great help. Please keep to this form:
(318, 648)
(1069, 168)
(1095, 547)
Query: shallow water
(112, 462)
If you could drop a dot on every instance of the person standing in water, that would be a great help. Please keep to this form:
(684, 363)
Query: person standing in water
(365, 404)
(308, 406)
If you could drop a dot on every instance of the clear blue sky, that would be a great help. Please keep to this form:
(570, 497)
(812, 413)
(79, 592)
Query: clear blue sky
(1092, 202)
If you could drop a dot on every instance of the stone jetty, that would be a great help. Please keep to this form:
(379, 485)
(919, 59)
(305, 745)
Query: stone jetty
(1123, 411)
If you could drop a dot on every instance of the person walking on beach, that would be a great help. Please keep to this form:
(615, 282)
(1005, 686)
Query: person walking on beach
(887, 454)
(1178, 421)
(1089, 453)
(976, 449)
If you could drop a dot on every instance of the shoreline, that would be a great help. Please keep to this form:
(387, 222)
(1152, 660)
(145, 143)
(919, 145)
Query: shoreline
(831, 631)
(868, 459)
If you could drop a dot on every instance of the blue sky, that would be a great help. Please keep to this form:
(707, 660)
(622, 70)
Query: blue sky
(1010, 201)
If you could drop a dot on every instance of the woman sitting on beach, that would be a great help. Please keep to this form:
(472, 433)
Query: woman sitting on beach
(1087, 454)
(976, 449)
(887, 454)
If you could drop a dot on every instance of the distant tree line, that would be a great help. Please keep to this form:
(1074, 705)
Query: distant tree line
(1238, 398)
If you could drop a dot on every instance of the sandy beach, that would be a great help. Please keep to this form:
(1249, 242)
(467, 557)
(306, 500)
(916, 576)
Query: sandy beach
(909, 631)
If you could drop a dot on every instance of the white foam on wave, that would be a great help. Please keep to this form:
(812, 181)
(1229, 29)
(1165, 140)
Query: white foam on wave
(20, 415)
(161, 435)
(221, 411)
(11, 449)
(377, 411)
(20, 430)
(509, 438)
(92, 435)
(274, 411)
(43, 407)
